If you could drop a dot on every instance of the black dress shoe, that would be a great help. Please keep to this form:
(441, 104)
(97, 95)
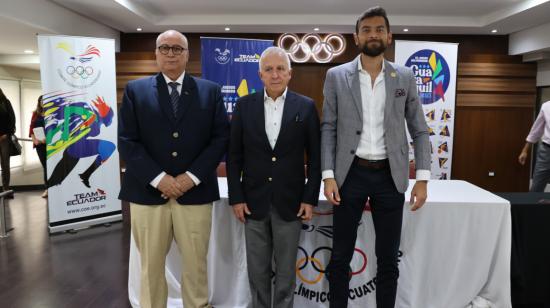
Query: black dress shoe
(10, 196)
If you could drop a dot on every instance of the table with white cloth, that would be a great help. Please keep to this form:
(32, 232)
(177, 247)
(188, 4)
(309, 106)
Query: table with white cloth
(455, 252)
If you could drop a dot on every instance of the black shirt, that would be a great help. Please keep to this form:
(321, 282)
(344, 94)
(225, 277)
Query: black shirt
(7, 118)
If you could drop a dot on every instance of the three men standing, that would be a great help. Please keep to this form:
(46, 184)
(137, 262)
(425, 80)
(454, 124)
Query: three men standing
(173, 132)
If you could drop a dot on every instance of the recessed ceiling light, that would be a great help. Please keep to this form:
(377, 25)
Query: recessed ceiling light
(315, 29)
(139, 29)
(28, 51)
(227, 28)
(494, 30)
(405, 30)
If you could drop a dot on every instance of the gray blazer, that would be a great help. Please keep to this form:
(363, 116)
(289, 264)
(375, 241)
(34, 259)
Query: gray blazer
(343, 121)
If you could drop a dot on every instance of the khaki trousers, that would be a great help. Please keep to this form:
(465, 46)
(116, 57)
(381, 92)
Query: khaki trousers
(154, 228)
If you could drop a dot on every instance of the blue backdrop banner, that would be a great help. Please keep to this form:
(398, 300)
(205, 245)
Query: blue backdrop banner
(233, 64)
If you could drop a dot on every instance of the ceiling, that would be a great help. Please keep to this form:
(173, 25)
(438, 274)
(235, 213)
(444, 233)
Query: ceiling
(21, 20)
(420, 16)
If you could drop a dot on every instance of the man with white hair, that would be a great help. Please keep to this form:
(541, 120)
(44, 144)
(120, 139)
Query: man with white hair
(271, 131)
(173, 132)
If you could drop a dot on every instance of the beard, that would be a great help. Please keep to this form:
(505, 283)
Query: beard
(374, 51)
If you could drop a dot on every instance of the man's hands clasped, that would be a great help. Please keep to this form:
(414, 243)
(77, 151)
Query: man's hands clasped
(175, 187)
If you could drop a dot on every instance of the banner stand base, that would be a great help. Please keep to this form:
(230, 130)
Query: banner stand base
(85, 224)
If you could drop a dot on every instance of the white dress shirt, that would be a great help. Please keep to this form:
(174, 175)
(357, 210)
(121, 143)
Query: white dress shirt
(155, 182)
(273, 113)
(372, 144)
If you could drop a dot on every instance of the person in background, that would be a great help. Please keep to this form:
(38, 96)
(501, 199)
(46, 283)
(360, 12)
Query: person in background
(7, 128)
(37, 121)
(539, 131)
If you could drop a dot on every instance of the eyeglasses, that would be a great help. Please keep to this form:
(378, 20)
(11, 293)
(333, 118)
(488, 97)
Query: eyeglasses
(176, 49)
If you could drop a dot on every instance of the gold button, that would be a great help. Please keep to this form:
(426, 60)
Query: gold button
(273, 158)
(270, 179)
(175, 135)
(174, 154)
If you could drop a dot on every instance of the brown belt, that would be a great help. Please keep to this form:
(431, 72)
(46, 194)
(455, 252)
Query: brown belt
(372, 164)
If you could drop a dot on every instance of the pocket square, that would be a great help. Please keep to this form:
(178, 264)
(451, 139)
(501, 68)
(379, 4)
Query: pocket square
(400, 92)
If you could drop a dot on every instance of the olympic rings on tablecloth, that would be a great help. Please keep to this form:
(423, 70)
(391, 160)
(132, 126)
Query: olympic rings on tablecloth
(318, 266)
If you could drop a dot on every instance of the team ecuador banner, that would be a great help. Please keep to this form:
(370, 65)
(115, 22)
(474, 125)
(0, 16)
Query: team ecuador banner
(434, 66)
(233, 64)
(79, 86)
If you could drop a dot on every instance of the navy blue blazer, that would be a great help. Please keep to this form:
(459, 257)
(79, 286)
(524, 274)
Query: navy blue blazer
(274, 177)
(152, 139)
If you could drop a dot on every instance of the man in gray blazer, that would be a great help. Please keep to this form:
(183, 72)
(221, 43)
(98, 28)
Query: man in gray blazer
(364, 154)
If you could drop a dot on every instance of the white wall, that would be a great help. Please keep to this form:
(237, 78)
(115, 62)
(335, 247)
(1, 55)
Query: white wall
(529, 40)
(19, 73)
(55, 19)
(543, 73)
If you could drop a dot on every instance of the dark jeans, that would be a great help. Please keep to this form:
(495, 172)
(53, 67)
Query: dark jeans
(5, 161)
(41, 151)
(375, 185)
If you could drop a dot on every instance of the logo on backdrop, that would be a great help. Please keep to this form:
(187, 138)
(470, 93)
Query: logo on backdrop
(311, 268)
(244, 58)
(312, 45)
(324, 230)
(233, 64)
(319, 259)
(445, 131)
(78, 72)
(88, 197)
(432, 75)
(443, 147)
(222, 57)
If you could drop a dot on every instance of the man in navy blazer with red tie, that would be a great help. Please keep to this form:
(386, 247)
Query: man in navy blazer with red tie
(173, 132)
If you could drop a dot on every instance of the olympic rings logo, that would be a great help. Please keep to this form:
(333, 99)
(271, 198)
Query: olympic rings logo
(79, 71)
(322, 50)
(318, 266)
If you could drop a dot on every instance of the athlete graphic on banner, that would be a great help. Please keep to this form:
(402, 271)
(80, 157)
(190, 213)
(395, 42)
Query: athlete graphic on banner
(71, 124)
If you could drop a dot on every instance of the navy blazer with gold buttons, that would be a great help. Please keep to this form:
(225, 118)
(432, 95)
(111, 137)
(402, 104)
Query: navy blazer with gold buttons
(153, 139)
(274, 177)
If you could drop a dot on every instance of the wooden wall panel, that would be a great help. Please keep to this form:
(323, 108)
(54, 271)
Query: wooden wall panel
(490, 140)
(489, 58)
(496, 70)
(495, 97)
(492, 84)
(308, 79)
(136, 66)
(495, 100)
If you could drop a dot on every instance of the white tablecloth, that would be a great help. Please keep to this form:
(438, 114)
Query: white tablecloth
(455, 252)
